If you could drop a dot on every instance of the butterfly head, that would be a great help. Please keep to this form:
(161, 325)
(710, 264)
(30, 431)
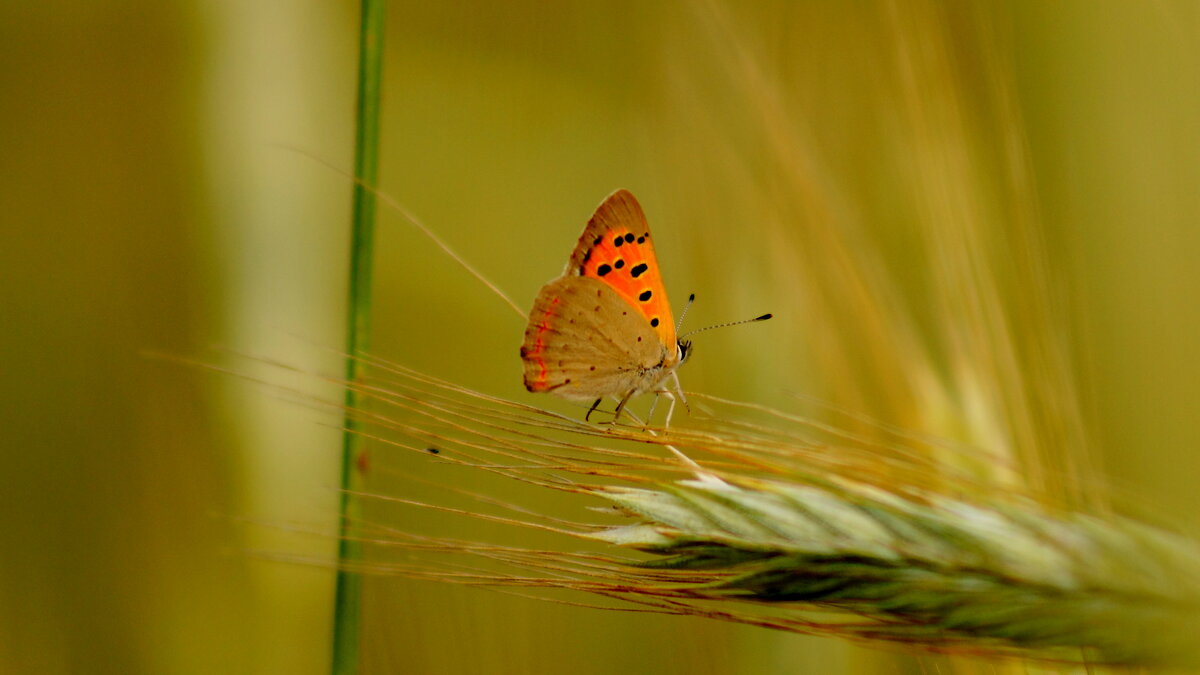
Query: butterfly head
(684, 351)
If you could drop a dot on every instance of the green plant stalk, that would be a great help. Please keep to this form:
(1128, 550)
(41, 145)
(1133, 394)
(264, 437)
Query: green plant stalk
(348, 594)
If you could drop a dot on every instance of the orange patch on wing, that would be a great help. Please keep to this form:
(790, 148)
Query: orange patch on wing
(540, 383)
(624, 260)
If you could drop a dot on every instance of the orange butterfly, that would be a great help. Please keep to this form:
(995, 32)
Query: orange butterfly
(605, 328)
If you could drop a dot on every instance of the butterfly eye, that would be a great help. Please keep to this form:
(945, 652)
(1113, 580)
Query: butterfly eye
(685, 350)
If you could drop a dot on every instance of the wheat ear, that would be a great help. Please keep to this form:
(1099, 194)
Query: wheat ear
(927, 569)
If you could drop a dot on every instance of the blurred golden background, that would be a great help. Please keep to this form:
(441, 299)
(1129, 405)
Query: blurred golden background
(978, 221)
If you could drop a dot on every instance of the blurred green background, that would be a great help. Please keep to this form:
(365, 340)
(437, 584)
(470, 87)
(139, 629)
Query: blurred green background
(165, 190)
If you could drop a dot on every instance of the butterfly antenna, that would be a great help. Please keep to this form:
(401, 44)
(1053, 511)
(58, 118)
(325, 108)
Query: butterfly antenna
(764, 317)
(679, 323)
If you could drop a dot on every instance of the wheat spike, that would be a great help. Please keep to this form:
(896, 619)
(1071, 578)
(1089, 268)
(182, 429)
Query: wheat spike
(928, 570)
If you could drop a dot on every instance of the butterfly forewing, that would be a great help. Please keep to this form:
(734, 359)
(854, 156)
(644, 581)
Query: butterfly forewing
(616, 249)
(585, 341)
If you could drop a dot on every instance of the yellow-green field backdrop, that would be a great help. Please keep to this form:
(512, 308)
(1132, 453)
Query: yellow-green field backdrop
(165, 188)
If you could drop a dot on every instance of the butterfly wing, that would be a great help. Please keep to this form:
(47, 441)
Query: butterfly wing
(585, 341)
(616, 249)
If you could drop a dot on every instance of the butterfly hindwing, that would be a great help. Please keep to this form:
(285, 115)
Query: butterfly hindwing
(616, 249)
(584, 341)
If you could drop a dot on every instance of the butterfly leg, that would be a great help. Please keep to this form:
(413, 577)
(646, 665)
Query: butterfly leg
(653, 406)
(592, 409)
(621, 406)
(673, 395)
(679, 392)
(670, 409)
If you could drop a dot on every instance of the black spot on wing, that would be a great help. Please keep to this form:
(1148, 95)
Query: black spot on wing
(645, 296)
(638, 269)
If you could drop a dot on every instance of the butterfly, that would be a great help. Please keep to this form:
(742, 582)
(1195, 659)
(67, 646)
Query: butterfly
(604, 328)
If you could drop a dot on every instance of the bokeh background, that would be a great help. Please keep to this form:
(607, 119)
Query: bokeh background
(978, 221)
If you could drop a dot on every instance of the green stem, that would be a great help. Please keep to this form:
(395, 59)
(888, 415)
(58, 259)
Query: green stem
(348, 599)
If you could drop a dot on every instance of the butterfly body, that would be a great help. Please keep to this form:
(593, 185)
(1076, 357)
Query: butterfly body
(604, 328)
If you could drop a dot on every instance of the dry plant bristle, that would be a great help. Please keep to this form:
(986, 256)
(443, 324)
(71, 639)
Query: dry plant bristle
(792, 536)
